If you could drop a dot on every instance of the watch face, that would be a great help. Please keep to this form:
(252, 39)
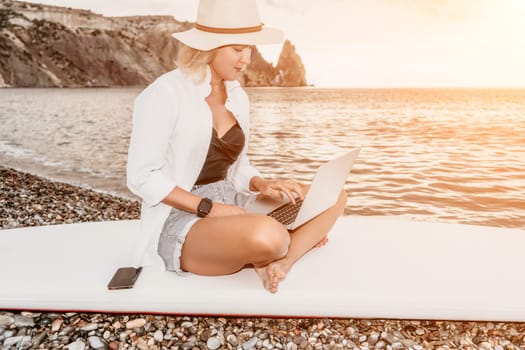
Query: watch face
(204, 207)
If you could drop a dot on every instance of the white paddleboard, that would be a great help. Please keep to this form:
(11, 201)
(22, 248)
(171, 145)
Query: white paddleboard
(372, 267)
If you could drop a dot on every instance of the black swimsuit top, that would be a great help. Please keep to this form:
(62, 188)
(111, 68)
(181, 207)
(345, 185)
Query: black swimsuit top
(222, 153)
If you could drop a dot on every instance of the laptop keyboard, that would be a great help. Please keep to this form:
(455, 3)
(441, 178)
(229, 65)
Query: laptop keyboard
(286, 213)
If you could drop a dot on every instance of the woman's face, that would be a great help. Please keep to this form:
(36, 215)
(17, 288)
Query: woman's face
(231, 60)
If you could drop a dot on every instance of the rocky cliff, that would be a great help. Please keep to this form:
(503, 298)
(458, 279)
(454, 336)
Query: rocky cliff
(290, 70)
(49, 46)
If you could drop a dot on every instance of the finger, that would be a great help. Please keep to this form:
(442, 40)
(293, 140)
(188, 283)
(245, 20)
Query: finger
(295, 187)
(289, 194)
(273, 193)
(299, 190)
(303, 189)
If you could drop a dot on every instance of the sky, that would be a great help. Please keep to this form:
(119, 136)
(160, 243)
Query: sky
(379, 43)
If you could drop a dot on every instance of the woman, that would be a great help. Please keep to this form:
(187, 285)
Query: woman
(188, 159)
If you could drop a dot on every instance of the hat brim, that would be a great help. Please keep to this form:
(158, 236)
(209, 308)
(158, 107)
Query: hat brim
(206, 41)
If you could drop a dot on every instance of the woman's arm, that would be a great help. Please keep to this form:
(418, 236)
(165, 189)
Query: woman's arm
(187, 201)
(155, 114)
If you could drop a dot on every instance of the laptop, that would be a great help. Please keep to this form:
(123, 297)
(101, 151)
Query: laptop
(323, 193)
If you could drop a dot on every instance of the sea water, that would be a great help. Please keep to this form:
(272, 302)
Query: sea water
(449, 155)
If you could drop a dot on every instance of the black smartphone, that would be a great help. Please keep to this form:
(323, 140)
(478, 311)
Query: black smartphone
(124, 278)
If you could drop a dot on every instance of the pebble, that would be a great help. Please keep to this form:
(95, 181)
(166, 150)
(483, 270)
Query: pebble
(26, 340)
(291, 346)
(76, 345)
(232, 339)
(44, 321)
(396, 345)
(188, 345)
(250, 343)
(351, 332)
(158, 336)
(213, 343)
(96, 343)
(373, 338)
(89, 327)
(136, 323)
(12, 341)
(408, 343)
(37, 340)
(23, 321)
(6, 320)
(67, 330)
(142, 344)
(380, 345)
(123, 336)
(298, 339)
(485, 345)
(186, 324)
(8, 333)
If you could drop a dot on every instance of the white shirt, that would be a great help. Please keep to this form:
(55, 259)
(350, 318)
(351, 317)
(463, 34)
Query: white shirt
(172, 129)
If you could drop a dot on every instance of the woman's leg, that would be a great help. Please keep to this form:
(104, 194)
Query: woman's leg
(311, 234)
(224, 245)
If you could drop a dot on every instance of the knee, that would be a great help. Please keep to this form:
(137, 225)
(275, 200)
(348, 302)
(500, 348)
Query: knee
(269, 238)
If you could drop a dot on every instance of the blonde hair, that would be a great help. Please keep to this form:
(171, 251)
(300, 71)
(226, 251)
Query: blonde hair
(193, 61)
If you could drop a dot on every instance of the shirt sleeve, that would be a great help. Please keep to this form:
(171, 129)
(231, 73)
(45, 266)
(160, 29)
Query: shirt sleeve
(154, 118)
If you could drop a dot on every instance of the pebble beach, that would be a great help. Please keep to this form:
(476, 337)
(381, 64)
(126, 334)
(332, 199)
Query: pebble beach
(28, 200)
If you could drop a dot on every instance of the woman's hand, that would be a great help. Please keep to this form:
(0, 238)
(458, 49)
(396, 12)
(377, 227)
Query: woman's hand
(220, 209)
(274, 188)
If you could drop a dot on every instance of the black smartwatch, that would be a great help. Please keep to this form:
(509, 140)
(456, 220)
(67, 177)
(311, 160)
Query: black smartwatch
(204, 207)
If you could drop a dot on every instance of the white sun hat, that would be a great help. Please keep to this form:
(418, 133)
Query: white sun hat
(228, 22)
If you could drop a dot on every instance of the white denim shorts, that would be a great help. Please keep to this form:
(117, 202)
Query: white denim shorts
(179, 222)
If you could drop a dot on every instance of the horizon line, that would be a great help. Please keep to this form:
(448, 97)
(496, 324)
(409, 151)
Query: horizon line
(310, 86)
(517, 87)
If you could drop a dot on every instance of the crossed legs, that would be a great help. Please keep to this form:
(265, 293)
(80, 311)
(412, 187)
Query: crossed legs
(224, 245)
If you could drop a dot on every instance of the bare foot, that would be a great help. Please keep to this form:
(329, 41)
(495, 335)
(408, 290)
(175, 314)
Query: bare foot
(272, 274)
(322, 242)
